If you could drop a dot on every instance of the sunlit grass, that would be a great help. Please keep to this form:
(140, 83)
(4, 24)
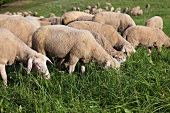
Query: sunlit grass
(142, 84)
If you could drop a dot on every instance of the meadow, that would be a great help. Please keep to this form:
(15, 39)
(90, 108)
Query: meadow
(141, 85)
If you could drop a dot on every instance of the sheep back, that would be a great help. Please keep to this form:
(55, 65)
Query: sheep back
(156, 22)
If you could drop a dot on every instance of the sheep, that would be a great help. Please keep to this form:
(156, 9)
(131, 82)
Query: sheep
(63, 11)
(87, 11)
(147, 37)
(34, 20)
(119, 21)
(148, 6)
(19, 26)
(55, 20)
(140, 12)
(35, 14)
(88, 7)
(12, 48)
(98, 4)
(126, 9)
(72, 16)
(78, 9)
(108, 4)
(60, 41)
(120, 56)
(136, 11)
(73, 8)
(156, 22)
(85, 18)
(108, 32)
(118, 10)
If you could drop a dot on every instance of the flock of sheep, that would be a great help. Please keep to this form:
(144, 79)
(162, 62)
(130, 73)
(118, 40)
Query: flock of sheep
(76, 37)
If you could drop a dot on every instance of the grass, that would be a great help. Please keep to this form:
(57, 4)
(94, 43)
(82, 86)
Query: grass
(142, 84)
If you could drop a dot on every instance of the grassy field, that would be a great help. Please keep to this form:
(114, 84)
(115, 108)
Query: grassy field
(142, 84)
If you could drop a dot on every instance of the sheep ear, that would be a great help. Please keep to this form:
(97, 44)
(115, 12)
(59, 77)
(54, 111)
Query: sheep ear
(48, 60)
(29, 67)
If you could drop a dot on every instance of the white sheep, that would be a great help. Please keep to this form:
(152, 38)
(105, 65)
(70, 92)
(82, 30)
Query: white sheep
(147, 37)
(119, 21)
(85, 18)
(119, 55)
(61, 41)
(12, 48)
(108, 32)
(72, 16)
(19, 26)
(156, 22)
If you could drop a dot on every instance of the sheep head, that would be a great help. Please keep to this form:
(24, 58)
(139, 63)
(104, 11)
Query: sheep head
(39, 63)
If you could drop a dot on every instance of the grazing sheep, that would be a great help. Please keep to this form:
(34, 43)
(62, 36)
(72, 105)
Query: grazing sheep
(147, 37)
(140, 12)
(34, 20)
(45, 23)
(35, 14)
(88, 7)
(126, 9)
(136, 11)
(119, 21)
(73, 8)
(119, 55)
(98, 4)
(108, 32)
(72, 16)
(19, 26)
(78, 9)
(118, 10)
(55, 20)
(12, 48)
(87, 11)
(148, 6)
(60, 41)
(85, 18)
(156, 22)
(108, 4)
(63, 11)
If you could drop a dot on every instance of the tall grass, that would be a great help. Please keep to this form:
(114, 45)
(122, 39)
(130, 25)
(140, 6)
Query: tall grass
(142, 84)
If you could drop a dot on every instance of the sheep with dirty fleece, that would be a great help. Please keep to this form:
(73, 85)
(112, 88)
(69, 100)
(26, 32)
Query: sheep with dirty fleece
(156, 22)
(19, 26)
(109, 32)
(72, 16)
(119, 21)
(12, 48)
(147, 37)
(60, 41)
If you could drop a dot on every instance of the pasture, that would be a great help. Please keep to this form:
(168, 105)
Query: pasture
(142, 84)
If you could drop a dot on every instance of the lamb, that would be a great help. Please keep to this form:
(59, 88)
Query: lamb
(72, 16)
(147, 37)
(119, 21)
(12, 48)
(19, 26)
(156, 22)
(108, 4)
(61, 41)
(108, 32)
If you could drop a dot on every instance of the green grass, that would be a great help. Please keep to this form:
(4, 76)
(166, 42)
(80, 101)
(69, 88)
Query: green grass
(142, 84)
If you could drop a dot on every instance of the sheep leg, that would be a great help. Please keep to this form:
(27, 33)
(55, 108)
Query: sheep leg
(3, 74)
(72, 63)
(149, 51)
(82, 68)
